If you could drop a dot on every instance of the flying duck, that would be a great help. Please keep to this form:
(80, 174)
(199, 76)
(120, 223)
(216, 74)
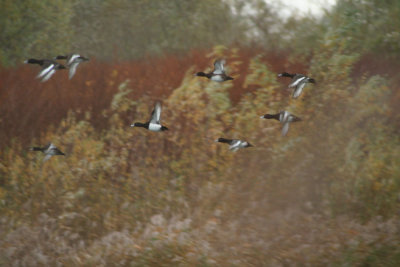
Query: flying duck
(234, 144)
(218, 74)
(73, 60)
(298, 81)
(49, 67)
(49, 150)
(154, 123)
(284, 117)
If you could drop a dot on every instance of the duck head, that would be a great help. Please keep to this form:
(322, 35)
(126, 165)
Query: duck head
(270, 116)
(201, 74)
(139, 124)
(311, 80)
(285, 74)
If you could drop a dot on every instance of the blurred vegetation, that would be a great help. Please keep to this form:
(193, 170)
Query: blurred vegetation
(113, 29)
(326, 194)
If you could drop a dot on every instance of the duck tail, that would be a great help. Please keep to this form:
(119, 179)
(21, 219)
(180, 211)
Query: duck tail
(297, 119)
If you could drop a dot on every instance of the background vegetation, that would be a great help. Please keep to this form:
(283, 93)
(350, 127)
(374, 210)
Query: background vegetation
(326, 194)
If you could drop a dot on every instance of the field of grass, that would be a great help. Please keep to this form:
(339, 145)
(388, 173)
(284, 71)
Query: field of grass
(326, 194)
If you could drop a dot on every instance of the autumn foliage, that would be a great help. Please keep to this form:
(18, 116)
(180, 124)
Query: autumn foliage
(36, 106)
(325, 194)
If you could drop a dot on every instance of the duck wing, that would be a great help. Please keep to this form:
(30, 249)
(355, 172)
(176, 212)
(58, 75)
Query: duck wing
(299, 89)
(49, 147)
(156, 114)
(283, 117)
(47, 157)
(47, 68)
(72, 69)
(285, 128)
(235, 145)
(48, 75)
(219, 66)
(296, 80)
(73, 58)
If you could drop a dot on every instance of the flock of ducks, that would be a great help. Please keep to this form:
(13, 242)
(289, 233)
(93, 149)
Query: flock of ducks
(49, 67)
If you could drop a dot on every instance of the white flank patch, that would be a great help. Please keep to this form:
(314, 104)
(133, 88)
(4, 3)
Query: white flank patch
(154, 127)
(217, 78)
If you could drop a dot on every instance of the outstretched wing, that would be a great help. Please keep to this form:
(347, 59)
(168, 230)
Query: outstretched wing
(285, 128)
(72, 69)
(45, 71)
(51, 146)
(219, 66)
(297, 80)
(72, 59)
(299, 89)
(234, 145)
(156, 114)
(47, 157)
(48, 75)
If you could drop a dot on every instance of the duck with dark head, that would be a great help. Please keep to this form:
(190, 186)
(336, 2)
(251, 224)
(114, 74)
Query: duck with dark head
(298, 81)
(218, 74)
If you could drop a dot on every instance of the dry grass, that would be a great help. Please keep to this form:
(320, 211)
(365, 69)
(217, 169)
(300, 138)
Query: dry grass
(324, 195)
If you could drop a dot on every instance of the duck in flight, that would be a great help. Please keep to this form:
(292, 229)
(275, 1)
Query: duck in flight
(73, 60)
(284, 117)
(49, 150)
(218, 74)
(154, 123)
(49, 67)
(298, 82)
(234, 144)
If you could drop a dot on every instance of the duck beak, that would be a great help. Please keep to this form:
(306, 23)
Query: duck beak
(132, 125)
